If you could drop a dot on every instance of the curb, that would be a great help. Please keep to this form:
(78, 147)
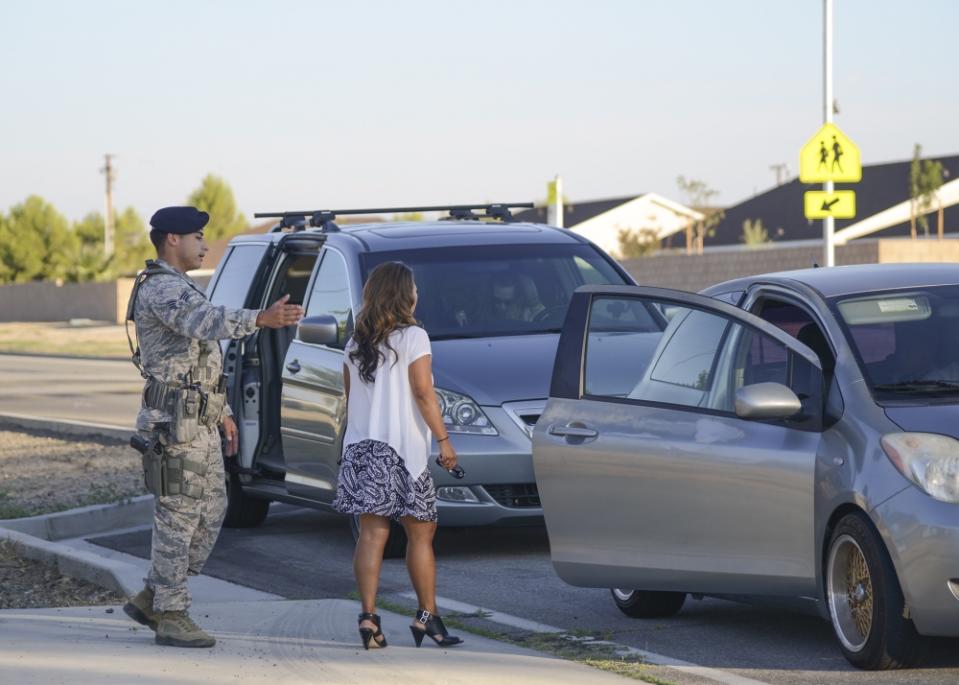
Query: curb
(66, 426)
(37, 537)
(83, 521)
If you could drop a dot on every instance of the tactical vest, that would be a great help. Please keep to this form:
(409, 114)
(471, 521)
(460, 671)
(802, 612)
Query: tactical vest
(188, 405)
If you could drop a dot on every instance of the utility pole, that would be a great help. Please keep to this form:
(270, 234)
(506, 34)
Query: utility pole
(554, 202)
(108, 225)
(828, 224)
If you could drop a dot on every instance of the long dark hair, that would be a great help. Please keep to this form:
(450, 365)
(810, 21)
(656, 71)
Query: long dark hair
(388, 299)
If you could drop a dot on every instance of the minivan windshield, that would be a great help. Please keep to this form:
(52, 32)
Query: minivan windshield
(906, 340)
(496, 290)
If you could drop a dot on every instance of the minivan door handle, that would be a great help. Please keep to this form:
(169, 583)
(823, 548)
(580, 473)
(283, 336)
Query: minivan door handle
(573, 431)
(294, 366)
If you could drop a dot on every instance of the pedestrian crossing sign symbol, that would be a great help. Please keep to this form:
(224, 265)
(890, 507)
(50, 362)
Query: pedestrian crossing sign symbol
(830, 156)
(819, 204)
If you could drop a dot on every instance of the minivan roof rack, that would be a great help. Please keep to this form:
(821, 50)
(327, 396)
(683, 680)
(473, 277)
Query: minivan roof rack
(324, 218)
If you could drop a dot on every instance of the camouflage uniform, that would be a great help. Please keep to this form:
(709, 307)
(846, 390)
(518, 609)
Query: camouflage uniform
(178, 329)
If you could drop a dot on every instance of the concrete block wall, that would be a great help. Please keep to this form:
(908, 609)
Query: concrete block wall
(695, 272)
(47, 301)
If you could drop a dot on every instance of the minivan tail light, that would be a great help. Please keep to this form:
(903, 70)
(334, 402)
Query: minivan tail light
(929, 460)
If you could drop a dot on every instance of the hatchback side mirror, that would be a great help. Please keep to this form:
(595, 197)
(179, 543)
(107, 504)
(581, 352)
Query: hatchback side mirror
(318, 330)
(766, 401)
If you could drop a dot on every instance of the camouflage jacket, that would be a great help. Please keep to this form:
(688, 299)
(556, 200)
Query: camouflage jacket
(177, 330)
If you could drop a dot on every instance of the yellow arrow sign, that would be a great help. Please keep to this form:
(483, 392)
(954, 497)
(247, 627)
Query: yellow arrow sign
(839, 205)
(830, 156)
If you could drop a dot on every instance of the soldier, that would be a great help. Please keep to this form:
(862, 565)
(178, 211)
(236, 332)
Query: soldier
(183, 406)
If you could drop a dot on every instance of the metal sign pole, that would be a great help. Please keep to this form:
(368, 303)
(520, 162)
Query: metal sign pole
(828, 224)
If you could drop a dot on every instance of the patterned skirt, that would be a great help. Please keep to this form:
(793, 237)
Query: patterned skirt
(374, 480)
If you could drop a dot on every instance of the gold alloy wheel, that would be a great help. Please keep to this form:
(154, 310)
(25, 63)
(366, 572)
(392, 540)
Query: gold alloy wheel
(850, 593)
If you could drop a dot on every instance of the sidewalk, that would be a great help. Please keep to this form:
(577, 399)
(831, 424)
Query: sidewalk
(277, 641)
(261, 637)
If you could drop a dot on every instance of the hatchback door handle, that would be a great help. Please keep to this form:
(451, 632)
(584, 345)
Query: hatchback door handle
(294, 366)
(571, 431)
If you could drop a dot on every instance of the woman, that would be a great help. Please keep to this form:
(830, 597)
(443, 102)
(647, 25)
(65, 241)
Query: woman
(384, 474)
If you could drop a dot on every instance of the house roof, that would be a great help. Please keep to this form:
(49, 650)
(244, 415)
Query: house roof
(781, 208)
(575, 212)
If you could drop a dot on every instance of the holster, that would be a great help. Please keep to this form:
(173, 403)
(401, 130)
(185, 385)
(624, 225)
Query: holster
(163, 474)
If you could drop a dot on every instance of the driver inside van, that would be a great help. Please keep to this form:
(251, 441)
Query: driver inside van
(514, 298)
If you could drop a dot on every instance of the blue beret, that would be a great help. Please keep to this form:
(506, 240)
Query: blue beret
(180, 220)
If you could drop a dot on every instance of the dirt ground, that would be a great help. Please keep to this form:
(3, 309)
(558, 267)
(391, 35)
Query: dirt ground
(28, 584)
(88, 338)
(43, 472)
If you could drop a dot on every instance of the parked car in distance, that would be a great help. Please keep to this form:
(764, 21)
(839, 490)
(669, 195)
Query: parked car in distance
(492, 296)
(789, 435)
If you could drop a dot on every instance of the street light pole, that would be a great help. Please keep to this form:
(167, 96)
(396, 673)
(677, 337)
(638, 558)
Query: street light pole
(828, 224)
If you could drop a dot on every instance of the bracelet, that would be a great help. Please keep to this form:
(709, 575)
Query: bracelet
(442, 439)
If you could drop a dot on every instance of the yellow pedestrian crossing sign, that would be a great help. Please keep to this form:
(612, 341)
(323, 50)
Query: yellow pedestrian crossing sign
(830, 156)
(840, 205)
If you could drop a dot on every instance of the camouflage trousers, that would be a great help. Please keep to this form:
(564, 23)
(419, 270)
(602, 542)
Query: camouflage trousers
(185, 528)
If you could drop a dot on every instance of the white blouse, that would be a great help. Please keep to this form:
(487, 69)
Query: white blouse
(385, 410)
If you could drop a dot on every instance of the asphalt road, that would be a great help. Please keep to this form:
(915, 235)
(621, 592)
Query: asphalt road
(300, 553)
(99, 391)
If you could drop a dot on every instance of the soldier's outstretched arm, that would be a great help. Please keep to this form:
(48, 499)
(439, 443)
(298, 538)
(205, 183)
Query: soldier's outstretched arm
(189, 313)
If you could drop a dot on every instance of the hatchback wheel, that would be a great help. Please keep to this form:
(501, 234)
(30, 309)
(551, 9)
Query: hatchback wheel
(865, 601)
(395, 545)
(648, 604)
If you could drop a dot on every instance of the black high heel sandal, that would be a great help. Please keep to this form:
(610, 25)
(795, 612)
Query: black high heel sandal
(370, 637)
(432, 627)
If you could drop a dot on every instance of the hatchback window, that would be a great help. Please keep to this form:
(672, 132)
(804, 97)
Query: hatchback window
(905, 341)
(698, 359)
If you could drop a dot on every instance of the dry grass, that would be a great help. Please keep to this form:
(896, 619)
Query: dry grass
(42, 473)
(94, 339)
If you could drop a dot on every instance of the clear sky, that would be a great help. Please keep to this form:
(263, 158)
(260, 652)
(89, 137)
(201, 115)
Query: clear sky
(303, 105)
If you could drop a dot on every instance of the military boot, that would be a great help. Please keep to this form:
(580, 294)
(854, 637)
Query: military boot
(140, 608)
(177, 629)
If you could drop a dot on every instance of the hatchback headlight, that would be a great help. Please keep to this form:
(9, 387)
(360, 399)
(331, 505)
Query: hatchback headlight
(462, 415)
(929, 460)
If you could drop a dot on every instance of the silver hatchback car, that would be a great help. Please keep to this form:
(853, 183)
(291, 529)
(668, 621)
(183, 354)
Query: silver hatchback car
(785, 435)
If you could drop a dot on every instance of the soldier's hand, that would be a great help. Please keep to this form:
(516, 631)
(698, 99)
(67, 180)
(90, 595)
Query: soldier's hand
(280, 314)
(232, 436)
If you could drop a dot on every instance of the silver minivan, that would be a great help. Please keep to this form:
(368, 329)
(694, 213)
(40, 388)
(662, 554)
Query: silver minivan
(785, 435)
(492, 296)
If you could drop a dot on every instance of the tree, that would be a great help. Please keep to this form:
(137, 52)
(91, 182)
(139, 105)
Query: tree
(35, 243)
(131, 246)
(408, 216)
(215, 197)
(753, 233)
(925, 179)
(699, 196)
(637, 242)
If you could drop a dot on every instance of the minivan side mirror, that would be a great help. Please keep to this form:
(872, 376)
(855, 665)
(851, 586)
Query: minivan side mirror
(318, 330)
(766, 401)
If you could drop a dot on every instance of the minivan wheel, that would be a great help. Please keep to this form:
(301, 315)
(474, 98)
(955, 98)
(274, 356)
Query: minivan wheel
(395, 545)
(866, 604)
(243, 511)
(648, 604)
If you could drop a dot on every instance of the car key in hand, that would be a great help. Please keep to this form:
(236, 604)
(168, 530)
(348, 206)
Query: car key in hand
(457, 471)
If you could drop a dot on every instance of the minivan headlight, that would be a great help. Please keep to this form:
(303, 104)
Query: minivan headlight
(462, 415)
(929, 460)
